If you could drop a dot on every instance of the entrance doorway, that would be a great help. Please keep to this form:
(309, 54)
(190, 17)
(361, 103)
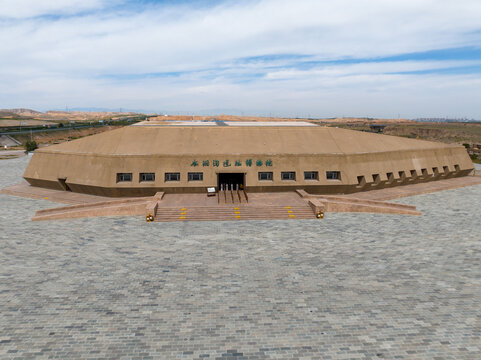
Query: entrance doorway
(230, 179)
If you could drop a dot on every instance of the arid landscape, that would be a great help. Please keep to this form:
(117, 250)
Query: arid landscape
(52, 127)
(448, 132)
(31, 117)
(50, 138)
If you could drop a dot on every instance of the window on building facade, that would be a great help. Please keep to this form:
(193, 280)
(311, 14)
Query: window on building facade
(390, 177)
(361, 181)
(196, 176)
(172, 176)
(457, 168)
(146, 177)
(288, 175)
(333, 175)
(124, 177)
(446, 169)
(311, 175)
(264, 175)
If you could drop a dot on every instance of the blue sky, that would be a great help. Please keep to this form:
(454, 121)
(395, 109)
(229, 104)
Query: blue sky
(317, 58)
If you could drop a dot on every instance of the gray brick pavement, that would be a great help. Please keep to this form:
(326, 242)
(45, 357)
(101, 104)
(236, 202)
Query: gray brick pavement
(351, 286)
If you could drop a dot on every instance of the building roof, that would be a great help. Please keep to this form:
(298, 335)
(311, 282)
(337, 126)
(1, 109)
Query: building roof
(187, 140)
(222, 123)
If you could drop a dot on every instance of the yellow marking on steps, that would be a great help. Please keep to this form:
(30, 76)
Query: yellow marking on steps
(237, 212)
(237, 217)
(182, 217)
(182, 213)
(290, 212)
(236, 208)
(183, 209)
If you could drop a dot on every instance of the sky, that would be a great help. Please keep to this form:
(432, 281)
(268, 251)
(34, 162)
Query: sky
(297, 58)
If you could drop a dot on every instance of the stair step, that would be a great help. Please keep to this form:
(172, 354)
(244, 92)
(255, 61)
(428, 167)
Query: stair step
(234, 219)
(234, 215)
(233, 211)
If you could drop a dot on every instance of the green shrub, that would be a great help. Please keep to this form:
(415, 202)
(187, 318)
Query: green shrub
(30, 145)
(475, 158)
(466, 146)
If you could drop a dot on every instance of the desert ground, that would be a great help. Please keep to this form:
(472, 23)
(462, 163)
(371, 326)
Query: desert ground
(447, 132)
(51, 138)
(59, 116)
(11, 123)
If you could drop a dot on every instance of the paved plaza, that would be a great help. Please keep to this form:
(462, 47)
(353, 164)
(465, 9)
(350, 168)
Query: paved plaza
(350, 286)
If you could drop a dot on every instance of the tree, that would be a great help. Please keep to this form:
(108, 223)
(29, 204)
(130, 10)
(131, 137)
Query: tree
(30, 145)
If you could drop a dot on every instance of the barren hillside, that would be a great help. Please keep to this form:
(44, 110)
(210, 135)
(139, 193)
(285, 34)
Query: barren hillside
(60, 115)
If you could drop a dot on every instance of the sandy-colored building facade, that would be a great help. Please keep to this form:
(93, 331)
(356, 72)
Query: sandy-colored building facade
(148, 157)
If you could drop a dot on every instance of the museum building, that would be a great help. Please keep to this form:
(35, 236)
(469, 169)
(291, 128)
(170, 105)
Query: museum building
(189, 157)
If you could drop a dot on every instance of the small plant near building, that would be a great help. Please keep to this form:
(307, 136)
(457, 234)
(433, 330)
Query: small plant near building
(30, 145)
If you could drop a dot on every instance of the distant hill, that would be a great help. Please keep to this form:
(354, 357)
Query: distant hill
(59, 115)
(6, 114)
(19, 112)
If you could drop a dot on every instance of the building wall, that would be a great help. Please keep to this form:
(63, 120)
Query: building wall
(96, 174)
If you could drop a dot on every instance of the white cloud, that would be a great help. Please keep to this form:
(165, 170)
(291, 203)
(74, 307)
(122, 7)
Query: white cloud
(18, 9)
(78, 59)
(372, 68)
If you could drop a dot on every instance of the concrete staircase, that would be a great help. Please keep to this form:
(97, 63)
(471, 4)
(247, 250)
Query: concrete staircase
(233, 212)
(199, 207)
